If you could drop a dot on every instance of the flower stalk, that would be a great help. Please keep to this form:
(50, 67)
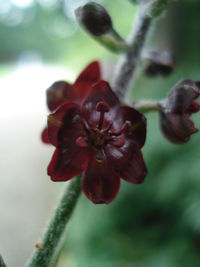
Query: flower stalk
(148, 105)
(128, 62)
(51, 240)
(113, 41)
(97, 22)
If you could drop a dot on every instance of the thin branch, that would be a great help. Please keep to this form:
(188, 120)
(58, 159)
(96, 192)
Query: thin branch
(46, 250)
(128, 62)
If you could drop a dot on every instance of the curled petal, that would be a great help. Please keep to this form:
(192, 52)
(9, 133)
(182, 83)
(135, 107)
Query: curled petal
(135, 171)
(182, 96)
(68, 162)
(65, 122)
(100, 183)
(137, 129)
(58, 93)
(178, 128)
(44, 136)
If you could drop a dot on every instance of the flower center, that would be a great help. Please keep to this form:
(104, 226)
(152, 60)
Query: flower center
(101, 134)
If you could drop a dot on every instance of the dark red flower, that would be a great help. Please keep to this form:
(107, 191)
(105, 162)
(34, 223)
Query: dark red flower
(176, 111)
(100, 138)
(61, 91)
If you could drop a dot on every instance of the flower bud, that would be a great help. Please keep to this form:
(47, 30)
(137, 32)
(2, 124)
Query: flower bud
(176, 110)
(94, 18)
(158, 63)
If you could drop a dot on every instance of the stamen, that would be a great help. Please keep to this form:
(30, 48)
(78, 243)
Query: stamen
(81, 142)
(107, 129)
(119, 142)
(102, 107)
(123, 129)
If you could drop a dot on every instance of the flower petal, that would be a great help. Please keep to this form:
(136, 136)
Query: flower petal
(178, 128)
(68, 162)
(100, 92)
(118, 157)
(127, 160)
(100, 183)
(44, 136)
(182, 95)
(64, 123)
(58, 93)
(137, 130)
(135, 171)
(89, 76)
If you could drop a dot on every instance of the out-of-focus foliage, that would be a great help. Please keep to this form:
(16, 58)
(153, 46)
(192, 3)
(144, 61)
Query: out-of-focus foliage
(48, 29)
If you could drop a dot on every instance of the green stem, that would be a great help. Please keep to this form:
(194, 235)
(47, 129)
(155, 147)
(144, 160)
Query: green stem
(145, 106)
(128, 63)
(113, 41)
(2, 263)
(52, 237)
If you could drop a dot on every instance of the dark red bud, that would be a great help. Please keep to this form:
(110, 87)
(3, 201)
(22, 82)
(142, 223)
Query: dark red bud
(176, 110)
(94, 18)
(159, 63)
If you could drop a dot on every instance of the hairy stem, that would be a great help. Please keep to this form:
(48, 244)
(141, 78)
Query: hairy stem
(46, 250)
(127, 65)
(2, 263)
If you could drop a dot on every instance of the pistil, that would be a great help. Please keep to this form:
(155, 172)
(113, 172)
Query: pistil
(102, 107)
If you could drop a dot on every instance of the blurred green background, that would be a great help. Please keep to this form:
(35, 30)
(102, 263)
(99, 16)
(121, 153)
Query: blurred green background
(156, 224)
